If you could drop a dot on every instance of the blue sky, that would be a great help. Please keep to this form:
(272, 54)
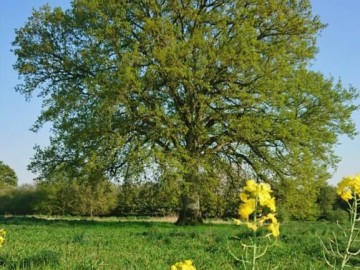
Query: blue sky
(339, 56)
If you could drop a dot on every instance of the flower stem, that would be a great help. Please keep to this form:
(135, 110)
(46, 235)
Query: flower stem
(253, 263)
(353, 217)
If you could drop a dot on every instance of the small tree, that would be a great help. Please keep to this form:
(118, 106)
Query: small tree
(94, 198)
(298, 199)
(19, 200)
(7, 175)
(63, 195)
(326, 201)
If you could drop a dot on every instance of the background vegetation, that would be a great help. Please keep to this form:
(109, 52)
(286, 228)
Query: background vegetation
(80, 197)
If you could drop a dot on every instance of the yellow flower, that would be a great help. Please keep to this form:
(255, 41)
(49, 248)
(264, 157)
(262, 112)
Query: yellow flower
(344, 183)
(348, 187)
(265, 187)
(185, 265)
(269, 216)
(270, 203)
(272, 217)
(251, 226)
(246, 209)
(357, 184)
(274, 229)
(251, 186)
(237, 222)
(346, 195)
(2, 237)
(244, 197)
(255, 197)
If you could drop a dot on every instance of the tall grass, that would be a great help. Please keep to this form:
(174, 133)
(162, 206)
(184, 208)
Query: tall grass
(34, 243)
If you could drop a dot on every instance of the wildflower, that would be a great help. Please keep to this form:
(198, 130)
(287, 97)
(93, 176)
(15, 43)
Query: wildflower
(251, 226)
(244, 197)
(346, 195)
(2, 237)
(274, 229)
(255, 198)
(237, 221)
(247, 209)
(185, 265)
(257, 203)
(349, 187)
(251, 186)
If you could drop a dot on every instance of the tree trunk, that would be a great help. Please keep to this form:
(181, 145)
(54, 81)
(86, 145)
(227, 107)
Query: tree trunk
(190, 210)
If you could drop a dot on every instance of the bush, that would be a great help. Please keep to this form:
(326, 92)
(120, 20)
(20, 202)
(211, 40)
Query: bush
(339, 215)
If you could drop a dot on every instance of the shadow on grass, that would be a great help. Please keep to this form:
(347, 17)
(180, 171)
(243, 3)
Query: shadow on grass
(38, 260)
(142, 222)
(36, 221)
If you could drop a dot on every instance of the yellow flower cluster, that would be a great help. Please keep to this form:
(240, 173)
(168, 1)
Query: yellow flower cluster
(255, 199)
(185, 265)
(2, 237)
(349, 187)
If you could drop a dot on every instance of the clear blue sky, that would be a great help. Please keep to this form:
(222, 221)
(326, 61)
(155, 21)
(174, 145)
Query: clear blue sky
(339, 56)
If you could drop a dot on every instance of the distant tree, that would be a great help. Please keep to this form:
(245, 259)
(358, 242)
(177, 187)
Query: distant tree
(148, 198)
(56, 197)
(19, 200)
(298, 199)
(63, 195)
(327, 201)
(7, 175)
(189, 88)
(94, 198)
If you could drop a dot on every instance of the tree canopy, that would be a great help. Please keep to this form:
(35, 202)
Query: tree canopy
(7, 175)
(198, 91)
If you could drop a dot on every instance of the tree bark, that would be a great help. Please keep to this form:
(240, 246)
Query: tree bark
(190, 213)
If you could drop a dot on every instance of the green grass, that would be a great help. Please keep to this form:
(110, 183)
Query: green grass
(34, 243)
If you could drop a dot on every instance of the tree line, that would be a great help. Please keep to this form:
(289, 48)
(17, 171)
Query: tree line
(85, 197)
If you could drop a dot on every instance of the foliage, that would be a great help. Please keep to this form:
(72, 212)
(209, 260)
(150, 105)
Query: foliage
(299, 198)
(149, 199)
(7, 176)
(18, 200)
(192, 90)
(76, 197)
(341, 254)
(326, 201)
(339, 215)
(63, 196)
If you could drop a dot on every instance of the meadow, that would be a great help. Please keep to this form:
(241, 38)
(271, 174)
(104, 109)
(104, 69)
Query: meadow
(37, 243)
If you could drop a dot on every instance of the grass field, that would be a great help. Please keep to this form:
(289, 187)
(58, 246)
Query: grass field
(34, 243)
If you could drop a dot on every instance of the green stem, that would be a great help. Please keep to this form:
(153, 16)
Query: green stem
(253, 263)
(353, 216)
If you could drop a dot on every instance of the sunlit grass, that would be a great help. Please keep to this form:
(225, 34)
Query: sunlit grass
(34, 243)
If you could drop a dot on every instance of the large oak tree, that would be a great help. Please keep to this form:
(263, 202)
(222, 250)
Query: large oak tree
(191, 90)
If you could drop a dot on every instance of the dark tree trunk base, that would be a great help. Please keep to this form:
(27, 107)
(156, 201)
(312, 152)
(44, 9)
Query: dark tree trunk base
(189, 220)
(190, 212)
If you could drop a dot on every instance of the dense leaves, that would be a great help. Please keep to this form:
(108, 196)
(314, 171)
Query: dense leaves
(7, 175)
(196, 92)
